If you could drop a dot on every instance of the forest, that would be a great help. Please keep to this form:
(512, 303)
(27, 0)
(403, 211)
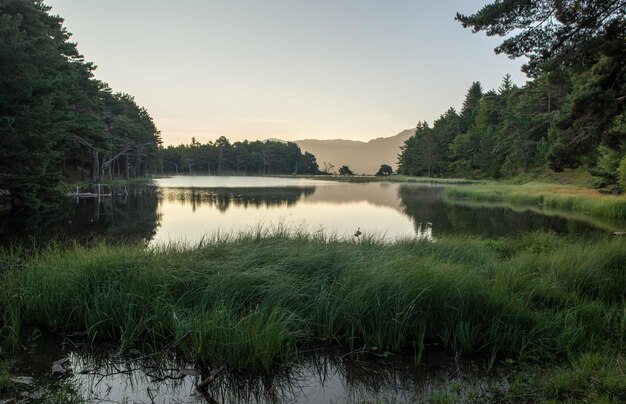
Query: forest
(239, 158)
(571, 113)
(57, 122)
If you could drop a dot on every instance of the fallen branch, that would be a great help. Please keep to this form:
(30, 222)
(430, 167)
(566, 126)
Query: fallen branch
(204, 384)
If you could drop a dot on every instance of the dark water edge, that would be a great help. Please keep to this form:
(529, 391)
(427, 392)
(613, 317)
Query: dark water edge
(100, 374)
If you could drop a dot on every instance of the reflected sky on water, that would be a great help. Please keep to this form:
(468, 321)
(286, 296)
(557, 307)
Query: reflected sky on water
(189, 209)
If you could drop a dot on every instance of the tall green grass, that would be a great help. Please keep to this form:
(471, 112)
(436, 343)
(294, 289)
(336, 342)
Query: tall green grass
(6, 382)
(553, 196)
(256, 300)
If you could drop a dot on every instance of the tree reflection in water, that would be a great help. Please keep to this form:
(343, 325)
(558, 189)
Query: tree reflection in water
(321, 375)
(153, 215)
(120, 218)
(427, 204)
(223, 198)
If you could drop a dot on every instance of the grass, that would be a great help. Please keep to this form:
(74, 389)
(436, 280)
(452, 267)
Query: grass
(600, 222)
(567, 191)
(590, 378)
(554, 305)
(388, 178)
(256, 300)
(555, 196)
(6, 384)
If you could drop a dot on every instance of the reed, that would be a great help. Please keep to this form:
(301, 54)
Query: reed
(257, 299)
(6, 382)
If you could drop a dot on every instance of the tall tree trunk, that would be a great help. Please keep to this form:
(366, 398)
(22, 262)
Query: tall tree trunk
(82, 165)
(126, 166)
(103, 166)
(522, 147)
(95, 167)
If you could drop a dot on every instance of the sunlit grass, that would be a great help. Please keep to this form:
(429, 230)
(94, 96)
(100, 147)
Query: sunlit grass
(564, 197)
(388, 178)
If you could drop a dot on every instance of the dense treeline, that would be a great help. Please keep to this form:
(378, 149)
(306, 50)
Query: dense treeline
(240, 158)
(56, 120)
(570, 114)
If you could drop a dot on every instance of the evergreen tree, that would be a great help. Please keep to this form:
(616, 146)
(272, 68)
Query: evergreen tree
(37, 65)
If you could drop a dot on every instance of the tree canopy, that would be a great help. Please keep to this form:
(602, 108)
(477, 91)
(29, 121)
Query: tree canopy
(240, 158)
(56, 120)
(571, 112)
(345, 170)
(384, 169)
(563, 31)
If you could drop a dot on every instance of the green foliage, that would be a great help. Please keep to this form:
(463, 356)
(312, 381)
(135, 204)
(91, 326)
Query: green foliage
(54, 114)
(563, 198)
(549, 31)
(37, 65)
(241, 158)
(6, 383)
(622, 174)
(384, 170)
(573, 107)
(345, 170)
(255, 300)
(592, 377)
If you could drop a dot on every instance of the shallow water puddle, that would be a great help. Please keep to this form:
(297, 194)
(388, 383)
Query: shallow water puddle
(322, 376)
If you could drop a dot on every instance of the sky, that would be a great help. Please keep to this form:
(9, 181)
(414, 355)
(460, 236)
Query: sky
(286, 69)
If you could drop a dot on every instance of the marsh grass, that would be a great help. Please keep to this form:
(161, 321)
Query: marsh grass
(257, 299)
(589, 378)
(6, 384)
(563, 197)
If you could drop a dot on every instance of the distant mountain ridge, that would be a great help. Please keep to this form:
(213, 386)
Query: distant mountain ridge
(361, 157)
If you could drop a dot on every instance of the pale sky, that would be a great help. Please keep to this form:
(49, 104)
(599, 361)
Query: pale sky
(288, 69)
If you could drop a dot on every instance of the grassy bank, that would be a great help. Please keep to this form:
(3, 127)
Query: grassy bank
(254, 301)
(387, 178)
(564, 197)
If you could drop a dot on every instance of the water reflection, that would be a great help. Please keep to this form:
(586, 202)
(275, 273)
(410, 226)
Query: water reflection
(124, 217)
(186, 209)
(321, 376)
(428, 205)
(191, 214)
(224, 198)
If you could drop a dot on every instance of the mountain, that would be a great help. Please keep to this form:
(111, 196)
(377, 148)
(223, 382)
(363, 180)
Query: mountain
(361, 157)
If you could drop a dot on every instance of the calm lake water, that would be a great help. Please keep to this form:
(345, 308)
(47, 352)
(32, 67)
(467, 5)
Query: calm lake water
(188, 209)
(321, 376)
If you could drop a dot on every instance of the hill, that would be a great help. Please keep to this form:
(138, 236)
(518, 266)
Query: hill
(361, 157)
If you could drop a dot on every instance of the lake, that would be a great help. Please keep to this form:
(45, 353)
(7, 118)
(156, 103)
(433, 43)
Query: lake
(189, 209)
